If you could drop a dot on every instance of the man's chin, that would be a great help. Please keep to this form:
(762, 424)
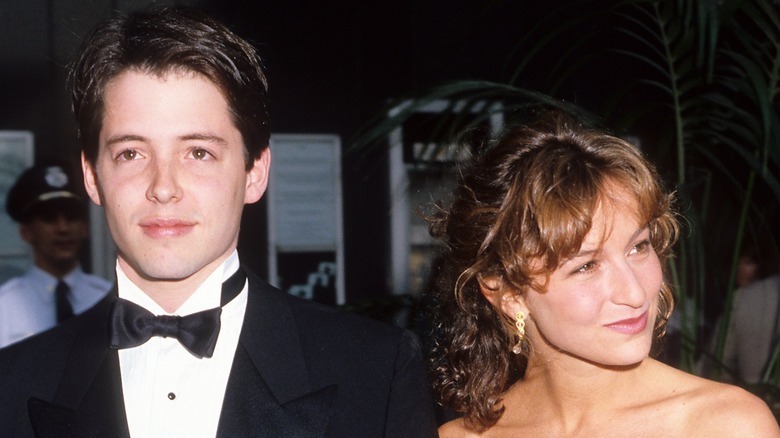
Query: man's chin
(161, 273)
(64, 263)
(63, 251)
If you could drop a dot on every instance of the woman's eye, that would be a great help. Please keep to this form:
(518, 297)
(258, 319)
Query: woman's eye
(641, 247)
(587, 267)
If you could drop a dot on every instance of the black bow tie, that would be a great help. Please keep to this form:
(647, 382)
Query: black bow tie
(132, 325)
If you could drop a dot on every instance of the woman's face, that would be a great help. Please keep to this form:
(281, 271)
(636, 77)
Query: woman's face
(600, 306)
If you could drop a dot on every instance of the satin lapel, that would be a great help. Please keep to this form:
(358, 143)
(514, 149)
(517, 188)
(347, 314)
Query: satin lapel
(88, 400)
(269, 393)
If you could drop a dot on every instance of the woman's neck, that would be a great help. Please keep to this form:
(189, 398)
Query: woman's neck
(576, 391)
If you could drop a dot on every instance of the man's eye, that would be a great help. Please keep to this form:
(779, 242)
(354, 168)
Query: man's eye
(128, 154)
(200, 154)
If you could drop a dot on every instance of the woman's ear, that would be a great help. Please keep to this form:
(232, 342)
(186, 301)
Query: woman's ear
(491, 289)
(504, 298)
(512, 304)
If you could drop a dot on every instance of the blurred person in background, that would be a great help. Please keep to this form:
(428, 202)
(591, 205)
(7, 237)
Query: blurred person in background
(52, 219)
(754, 321)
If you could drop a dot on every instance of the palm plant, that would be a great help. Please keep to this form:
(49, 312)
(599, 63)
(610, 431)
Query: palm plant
(719, 65)
(695, 80)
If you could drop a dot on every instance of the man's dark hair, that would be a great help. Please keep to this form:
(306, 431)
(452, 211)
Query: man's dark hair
(164, 41)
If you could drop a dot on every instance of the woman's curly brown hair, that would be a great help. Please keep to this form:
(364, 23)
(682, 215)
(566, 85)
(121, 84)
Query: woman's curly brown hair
(528, 198)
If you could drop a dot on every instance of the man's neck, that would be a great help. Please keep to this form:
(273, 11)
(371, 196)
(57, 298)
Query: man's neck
(171, 294)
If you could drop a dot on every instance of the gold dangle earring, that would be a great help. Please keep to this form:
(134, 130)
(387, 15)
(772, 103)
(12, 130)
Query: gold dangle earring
(520, 324)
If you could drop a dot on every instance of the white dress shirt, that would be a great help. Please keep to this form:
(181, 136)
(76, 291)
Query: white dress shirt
(28, 303)
(168, 392)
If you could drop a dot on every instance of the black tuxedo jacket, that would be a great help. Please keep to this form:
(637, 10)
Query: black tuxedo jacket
(300, 370)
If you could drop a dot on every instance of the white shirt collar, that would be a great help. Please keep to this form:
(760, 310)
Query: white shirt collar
(47, 281)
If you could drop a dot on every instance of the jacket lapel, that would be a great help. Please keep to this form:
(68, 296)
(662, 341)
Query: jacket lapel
(89, 399)
(269, 393)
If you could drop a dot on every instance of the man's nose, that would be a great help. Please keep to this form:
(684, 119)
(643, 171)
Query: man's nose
(163, 185)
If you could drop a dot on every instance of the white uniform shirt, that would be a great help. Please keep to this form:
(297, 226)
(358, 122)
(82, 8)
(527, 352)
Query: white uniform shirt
(169, 392)
(28, 304)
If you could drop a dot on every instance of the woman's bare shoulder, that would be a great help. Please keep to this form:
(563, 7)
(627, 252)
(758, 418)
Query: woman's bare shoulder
(456, 429)
(732, 411)
(715, 409)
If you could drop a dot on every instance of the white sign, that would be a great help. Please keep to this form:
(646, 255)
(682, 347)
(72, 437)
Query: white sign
(304, 215)
(16, 155)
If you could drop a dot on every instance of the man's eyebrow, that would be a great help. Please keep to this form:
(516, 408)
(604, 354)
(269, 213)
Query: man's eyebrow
(201, 136)
(123, 138)
(204, 136)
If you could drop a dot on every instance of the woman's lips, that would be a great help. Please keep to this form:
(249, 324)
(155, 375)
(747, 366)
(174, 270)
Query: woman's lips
(166, 227)
(630, 326)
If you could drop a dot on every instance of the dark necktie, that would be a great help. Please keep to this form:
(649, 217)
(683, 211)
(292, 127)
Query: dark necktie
(64, 308)
(132, 325)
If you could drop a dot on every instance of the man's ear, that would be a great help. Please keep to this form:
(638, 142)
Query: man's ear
(90, 180)
(25, 233)
(257, 177)
(504, 298)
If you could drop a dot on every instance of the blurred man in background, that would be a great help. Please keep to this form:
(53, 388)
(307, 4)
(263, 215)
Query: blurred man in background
(52, 219)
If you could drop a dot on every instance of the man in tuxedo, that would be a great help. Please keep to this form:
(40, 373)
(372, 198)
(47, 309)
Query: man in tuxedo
(172, 113)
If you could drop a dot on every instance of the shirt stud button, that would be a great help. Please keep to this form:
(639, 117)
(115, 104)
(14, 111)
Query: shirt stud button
(171, 396)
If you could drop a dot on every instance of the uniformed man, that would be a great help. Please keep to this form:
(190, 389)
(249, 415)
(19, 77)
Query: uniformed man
(52, 219)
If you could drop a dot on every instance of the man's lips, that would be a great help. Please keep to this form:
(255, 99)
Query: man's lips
(166, 227)
(630, 326)
(66, 243)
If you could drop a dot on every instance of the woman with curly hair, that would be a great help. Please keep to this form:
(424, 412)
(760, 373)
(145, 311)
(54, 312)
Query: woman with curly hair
(552, 293)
